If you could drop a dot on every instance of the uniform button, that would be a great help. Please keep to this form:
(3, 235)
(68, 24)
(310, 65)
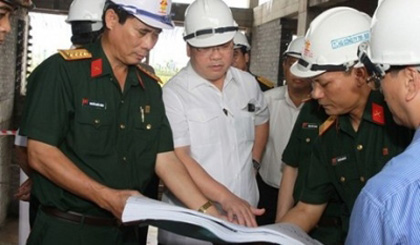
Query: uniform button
(97, 121)
(308, 140)
(148, 126)
(362, 179)
(122, 126)
(342, 179)
(359, 147)
(122, 101)
(124, 159)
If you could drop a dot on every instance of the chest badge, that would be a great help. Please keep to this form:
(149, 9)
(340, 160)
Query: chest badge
(337, 160)
(307, 125)
(94, 104)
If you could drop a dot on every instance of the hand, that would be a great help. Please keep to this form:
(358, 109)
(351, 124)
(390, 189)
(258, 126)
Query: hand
(24, 191)
(239, 211)
(115, 200)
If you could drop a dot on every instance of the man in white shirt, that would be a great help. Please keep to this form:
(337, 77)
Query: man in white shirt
(218, 117)
(284, 104)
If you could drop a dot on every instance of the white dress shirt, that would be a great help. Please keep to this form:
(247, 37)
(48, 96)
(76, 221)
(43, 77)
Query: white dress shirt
(283, 115)
(218, 126)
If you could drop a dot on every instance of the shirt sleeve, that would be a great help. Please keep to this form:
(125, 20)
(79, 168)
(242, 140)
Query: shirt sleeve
(48, 105)
(366, 223)
(166, 142)
(176, 114)
(318, 187)
(290, 155)
(20, 140)
(262, 115)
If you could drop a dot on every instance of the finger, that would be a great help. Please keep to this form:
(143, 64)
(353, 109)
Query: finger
(258, 211)
(250, 218)
(230, 216)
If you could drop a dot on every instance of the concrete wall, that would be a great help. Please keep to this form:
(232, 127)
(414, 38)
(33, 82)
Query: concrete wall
(7, 85)
(265, 50)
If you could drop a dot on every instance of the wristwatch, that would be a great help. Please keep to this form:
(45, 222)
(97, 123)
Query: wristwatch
(256, 165)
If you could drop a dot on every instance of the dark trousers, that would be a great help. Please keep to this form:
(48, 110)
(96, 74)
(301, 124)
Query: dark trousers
(268, 200)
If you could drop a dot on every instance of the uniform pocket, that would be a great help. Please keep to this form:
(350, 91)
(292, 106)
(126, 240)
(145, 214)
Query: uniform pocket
(203, 126)
(93, 131)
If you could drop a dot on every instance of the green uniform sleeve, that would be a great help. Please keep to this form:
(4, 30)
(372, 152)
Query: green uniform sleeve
(166, 142)
(291, 153)
(318, 187)
(48, 104)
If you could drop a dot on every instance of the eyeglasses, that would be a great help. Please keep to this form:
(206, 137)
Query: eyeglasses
(223, 48)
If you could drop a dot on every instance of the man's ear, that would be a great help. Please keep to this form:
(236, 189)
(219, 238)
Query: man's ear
(188, 50)
(111, 18)
(411, 83)
(361, 75)
(246, 58)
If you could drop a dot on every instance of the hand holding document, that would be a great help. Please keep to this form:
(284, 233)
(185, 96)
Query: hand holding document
(191, 223)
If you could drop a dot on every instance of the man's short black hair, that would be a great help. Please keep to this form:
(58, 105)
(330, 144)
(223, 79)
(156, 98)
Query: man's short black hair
(122, 14)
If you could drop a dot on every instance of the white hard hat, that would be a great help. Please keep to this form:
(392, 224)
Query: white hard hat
(240, 40)
(209, 23)
(155, 13)
(295, 47)
(91, 10)
(394, 41)
(331, 42)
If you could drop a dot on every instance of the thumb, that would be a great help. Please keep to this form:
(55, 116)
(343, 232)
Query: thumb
(258, 211)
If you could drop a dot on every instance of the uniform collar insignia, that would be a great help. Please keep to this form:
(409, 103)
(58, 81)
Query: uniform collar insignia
(378, 114)
(96, 68)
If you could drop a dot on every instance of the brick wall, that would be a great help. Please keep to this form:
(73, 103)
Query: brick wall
(265, 52)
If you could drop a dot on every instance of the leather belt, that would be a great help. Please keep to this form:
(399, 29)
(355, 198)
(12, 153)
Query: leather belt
(79, 218)
(329, 221)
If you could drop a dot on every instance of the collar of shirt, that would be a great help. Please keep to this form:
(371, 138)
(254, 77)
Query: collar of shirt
(282, 93)
(98, 53)
(375, 98)
(195, 80)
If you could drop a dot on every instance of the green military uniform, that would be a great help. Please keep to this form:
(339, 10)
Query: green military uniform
(112, 135)
(343, 160)
(297, 154)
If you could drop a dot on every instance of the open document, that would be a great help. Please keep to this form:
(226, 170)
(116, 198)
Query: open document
(198, 225)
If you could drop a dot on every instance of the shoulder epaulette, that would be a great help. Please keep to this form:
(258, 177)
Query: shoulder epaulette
(327, 124)
(153, 76)
(75, 54)
(265, 81)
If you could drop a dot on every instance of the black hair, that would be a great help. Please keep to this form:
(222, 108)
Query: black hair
(122, 14)
(243, 49)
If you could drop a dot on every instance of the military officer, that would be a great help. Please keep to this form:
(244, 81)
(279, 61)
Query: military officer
(296, 158)
(359, 136)
(97, 131)
(241, 58)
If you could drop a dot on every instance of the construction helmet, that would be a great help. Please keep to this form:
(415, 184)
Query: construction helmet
(155, 13)
(240, 40)
(209, 23)
(295, 47)
(85, 16)
(331, 42)
(394, 41)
